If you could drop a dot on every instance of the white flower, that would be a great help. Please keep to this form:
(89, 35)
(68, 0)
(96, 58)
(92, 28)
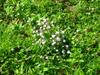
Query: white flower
(44, 28)
(77, 30)
(48, 27)
(63, 51)
(58, 39)
(41, 34)
(64, 40)
(57, 50)
(53, 43)
(53, 36)
(45, 20)
(57, 32)
(43, 41)
(44, 25)
(36, 31)
(42, 37)
(33, 32)
(46, 57)
(66, 46)
(62, 32)
(40, 28)
(53, 40)
(68, 52)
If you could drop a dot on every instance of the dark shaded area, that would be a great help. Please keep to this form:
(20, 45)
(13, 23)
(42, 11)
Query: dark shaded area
(16, 49)
(2, 2)
(98, 72)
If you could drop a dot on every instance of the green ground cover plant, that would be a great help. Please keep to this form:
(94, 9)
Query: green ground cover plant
(49, 37)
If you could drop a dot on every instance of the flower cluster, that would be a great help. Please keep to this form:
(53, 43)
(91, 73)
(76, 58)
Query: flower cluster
(58, 43)
(43, 26)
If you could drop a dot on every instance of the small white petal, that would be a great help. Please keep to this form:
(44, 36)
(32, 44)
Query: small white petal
(48, 27)
(58, 39)
(46, 57)
(66, 46)
(36, 31)
(62, 32)
(68, 52)
(44, 20)
(57, 32)
(53, 36)
(53, 43)
(33, 32)
(41, 34)
(40, 28)
(63, 51)
(77, 30)
(64, 41)
(57, 50)
(43, 41)
(44, 28)
(44, 25)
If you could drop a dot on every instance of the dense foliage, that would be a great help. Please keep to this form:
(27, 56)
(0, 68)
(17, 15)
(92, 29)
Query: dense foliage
(49, 37)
